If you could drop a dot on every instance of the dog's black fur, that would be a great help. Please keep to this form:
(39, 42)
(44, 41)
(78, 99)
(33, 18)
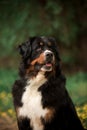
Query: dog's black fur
(53, 92)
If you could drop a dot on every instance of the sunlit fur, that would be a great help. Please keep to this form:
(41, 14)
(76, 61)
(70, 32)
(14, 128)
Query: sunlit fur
(40, 97)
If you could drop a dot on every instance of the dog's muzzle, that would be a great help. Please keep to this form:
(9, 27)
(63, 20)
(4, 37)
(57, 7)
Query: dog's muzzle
(49, 56)
(49, 60)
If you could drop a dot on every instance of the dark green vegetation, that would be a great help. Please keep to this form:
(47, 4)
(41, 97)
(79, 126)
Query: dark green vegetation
(77, 87)
(65, 20)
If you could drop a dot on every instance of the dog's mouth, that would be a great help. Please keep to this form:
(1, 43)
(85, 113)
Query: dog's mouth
(47, 66)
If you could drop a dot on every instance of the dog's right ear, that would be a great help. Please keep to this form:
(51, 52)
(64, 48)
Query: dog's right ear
(25, 49)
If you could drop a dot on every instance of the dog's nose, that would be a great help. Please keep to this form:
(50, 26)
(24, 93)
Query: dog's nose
(49, 54)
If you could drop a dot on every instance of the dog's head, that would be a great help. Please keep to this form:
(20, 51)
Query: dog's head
(39, 54)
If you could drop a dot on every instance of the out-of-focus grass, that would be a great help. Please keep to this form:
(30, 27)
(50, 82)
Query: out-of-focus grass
(76, 85)
(7, 78)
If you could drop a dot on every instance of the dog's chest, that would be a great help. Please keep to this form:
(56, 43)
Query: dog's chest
(32, 106)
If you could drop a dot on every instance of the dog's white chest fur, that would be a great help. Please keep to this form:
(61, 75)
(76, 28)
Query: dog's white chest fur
(31, 99)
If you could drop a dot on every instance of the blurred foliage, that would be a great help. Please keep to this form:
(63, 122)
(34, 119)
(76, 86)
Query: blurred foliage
(7, 77)
(66, 20)
(82, 113)
(77, 86)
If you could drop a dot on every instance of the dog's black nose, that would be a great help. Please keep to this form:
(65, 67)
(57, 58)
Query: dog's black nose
(49, 54)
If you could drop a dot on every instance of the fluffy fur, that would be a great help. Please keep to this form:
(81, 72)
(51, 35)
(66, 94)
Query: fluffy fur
(40, 98)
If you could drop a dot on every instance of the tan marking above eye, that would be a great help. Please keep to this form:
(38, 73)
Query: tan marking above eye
(49, 43)
(41, 43)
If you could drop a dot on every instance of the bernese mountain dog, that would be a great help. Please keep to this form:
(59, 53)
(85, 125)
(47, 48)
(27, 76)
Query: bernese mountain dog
(40, 97)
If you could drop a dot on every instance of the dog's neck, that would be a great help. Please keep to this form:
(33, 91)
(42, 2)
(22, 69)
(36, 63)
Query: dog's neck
(39, 78)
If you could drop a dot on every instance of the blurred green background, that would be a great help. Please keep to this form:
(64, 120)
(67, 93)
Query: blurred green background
(64, 20)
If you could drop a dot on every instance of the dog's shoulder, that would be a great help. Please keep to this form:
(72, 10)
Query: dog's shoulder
(17, 91)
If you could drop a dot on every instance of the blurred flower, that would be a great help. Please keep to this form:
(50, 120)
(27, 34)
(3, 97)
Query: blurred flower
(82, 113)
